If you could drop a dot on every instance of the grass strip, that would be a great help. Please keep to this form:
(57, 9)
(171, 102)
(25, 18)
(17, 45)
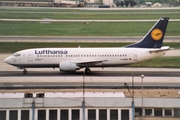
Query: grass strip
(87, 16)
(38, 9)
(82, 29)
(35, 13)
(166, 62)
(11, 47)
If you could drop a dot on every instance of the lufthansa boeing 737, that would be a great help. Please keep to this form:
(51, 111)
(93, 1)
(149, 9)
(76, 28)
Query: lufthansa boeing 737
(72, 59)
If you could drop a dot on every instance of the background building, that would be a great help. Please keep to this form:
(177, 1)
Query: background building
(98, 106)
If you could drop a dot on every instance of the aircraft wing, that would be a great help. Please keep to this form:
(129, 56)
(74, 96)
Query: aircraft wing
(162, 49)
(89, 63)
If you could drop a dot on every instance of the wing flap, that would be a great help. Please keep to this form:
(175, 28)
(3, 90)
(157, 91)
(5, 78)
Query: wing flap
(89, 63)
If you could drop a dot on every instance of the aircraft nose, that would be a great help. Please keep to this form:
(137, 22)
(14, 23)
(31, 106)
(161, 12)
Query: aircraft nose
(8, 60)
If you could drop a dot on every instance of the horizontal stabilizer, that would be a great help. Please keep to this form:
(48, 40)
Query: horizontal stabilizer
(165, 48)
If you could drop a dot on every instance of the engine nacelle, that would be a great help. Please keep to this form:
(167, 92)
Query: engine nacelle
(67, 66)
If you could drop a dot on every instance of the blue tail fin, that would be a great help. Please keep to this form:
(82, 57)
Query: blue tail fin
(154, 38)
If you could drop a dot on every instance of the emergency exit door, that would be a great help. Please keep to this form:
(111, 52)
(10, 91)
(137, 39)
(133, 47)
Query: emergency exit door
(30, 56)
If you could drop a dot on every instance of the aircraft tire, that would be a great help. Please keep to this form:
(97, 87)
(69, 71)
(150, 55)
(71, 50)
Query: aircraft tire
(87, 71)
(25, 72)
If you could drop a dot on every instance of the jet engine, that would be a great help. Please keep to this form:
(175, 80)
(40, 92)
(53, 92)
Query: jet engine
(68, 66)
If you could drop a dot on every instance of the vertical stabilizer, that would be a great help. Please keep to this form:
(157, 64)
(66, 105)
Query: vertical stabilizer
(154, 38)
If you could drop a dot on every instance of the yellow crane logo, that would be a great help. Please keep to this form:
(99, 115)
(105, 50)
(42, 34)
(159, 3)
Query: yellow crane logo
(156, 34)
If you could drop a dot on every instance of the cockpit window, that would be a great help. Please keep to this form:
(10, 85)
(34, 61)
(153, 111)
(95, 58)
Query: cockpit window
(17, 54)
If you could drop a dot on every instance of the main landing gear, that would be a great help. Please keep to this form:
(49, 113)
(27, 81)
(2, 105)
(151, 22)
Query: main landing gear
(87, 71)
(24, 71)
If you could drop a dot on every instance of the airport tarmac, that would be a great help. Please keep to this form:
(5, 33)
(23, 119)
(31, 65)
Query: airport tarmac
(156, 80)
(100, 77)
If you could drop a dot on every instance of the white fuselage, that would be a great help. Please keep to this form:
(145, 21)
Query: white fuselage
(107, 57)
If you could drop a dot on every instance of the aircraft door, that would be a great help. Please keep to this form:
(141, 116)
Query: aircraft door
(30, 56)
(135, 56)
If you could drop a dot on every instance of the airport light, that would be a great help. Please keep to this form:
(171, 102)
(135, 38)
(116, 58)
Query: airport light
(131, 94)
(132, 103)
(142, 77)
(83, 102)
(33, 110)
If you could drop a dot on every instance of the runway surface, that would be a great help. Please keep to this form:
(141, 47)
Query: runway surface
(158, 82)
(107, 78)
(106, 72)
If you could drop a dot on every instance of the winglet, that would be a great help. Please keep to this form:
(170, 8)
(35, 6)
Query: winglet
(154, 38)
